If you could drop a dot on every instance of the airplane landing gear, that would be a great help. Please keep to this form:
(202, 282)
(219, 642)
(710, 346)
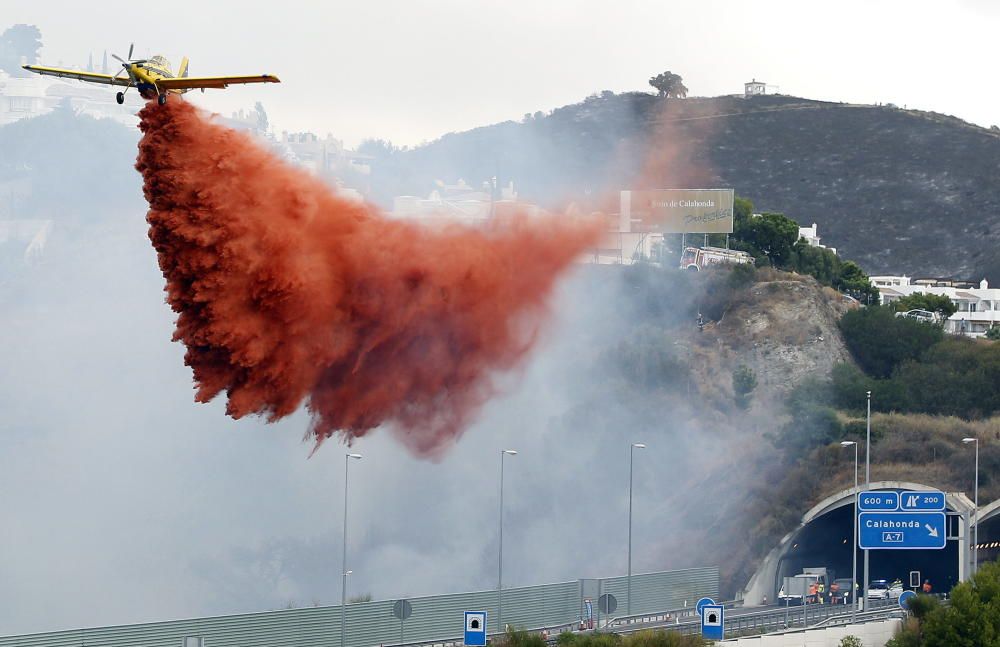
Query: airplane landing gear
(120, 98)
(162, 99)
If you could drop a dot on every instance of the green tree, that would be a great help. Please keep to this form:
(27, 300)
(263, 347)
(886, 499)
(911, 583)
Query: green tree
(929, 302)
(880, 341)
(668, 84)
(958, 377)
(744, 382)
(818, 262)
(853, 280)
(768, 236)
(972, 619)
(19, 43)
(993, 333)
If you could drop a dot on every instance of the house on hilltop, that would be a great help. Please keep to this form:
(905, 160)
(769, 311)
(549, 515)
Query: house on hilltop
(978, 307)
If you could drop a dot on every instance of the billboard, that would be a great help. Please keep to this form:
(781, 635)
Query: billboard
(677, 211)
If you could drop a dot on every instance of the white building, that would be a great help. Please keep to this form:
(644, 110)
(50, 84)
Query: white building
(463, 203)
(22, 98)
(811, 234)
(754, 88)
(978, 307)
(27, 237)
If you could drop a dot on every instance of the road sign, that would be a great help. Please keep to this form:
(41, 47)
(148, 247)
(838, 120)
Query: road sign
(923, 501)
(901, 530)
(914, 579)
(713, 622)
(475, 629)
(702, 603)
(607, 603)
(878, 501)
(402, 609)
(904, 599)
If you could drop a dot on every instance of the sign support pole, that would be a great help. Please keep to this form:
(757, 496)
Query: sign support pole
(868, 486)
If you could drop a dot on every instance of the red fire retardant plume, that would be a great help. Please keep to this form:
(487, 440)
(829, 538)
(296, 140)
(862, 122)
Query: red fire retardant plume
(288, 293)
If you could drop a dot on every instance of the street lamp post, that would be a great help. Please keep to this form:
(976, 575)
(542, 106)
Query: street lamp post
(505, 452)
(868, 485)
(854, 545)
(628, 594)
(343, 561)
(975, 546)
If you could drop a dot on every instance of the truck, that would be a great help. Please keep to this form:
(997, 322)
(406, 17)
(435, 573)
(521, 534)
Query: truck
(699, 258)
(796, 589)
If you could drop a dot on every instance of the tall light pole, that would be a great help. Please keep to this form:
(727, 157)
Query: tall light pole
(628, 594)
(505, 452)
(975, 546)
(854, 545)
(343, 560)
(868, 485)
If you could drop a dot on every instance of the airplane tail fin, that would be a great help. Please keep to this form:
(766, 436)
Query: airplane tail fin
(182, 71)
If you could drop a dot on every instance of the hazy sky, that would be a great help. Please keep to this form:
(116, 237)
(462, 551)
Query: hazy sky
(412, 71)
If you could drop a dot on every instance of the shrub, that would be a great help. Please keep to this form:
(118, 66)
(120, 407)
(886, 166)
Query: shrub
(881, 341)
(851, 641)
(971, 619)
(522, 638)
(744, 382)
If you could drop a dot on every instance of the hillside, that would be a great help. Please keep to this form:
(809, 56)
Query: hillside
(896, 190)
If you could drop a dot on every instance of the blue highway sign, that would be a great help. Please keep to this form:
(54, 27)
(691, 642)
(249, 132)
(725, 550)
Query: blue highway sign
(700, 604)
(904, 599)
(475, 629)
(923, 501)
(713, 622)
(878, 501)
(901, 530)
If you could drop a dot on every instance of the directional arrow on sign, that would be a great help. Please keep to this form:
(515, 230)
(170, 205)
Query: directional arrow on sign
(902, 530)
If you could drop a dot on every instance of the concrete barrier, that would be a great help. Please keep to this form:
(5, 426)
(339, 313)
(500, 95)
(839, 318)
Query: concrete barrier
(872, 634)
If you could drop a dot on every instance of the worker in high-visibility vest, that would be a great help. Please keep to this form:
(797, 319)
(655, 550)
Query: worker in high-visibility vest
(813, 590)
(822, 589)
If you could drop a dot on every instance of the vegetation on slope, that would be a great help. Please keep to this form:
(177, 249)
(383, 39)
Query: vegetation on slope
(898, 190)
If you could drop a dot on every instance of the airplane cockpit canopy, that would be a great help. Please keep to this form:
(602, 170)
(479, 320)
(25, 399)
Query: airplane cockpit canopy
(159, 64)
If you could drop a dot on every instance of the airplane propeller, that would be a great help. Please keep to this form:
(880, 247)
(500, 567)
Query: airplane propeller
(130, 61)
(126, 64)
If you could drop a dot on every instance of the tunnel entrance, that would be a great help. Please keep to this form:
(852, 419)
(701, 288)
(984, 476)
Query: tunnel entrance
(989, 539)
(826, 541)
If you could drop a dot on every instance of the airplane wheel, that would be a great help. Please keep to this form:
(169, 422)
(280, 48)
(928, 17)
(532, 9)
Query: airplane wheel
(120, 98)
(162, 99)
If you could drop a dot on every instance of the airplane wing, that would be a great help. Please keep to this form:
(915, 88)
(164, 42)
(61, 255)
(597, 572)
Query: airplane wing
(192, 82)
(90, 77)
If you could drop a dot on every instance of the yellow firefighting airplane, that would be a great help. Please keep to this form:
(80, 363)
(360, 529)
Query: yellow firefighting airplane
(152, 78)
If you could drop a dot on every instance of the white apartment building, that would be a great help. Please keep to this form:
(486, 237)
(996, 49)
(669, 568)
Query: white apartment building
(463, 203)
(811, 234)
(25, 97)
(978, 307)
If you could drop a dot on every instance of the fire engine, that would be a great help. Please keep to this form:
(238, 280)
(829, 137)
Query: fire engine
(698, 258)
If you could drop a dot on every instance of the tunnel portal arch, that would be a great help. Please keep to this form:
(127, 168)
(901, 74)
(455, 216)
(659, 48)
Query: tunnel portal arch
(988, 520)
(824, 538)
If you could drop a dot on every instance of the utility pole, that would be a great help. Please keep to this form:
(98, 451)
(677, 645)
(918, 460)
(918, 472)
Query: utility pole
(628, 594)
(868, 485)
